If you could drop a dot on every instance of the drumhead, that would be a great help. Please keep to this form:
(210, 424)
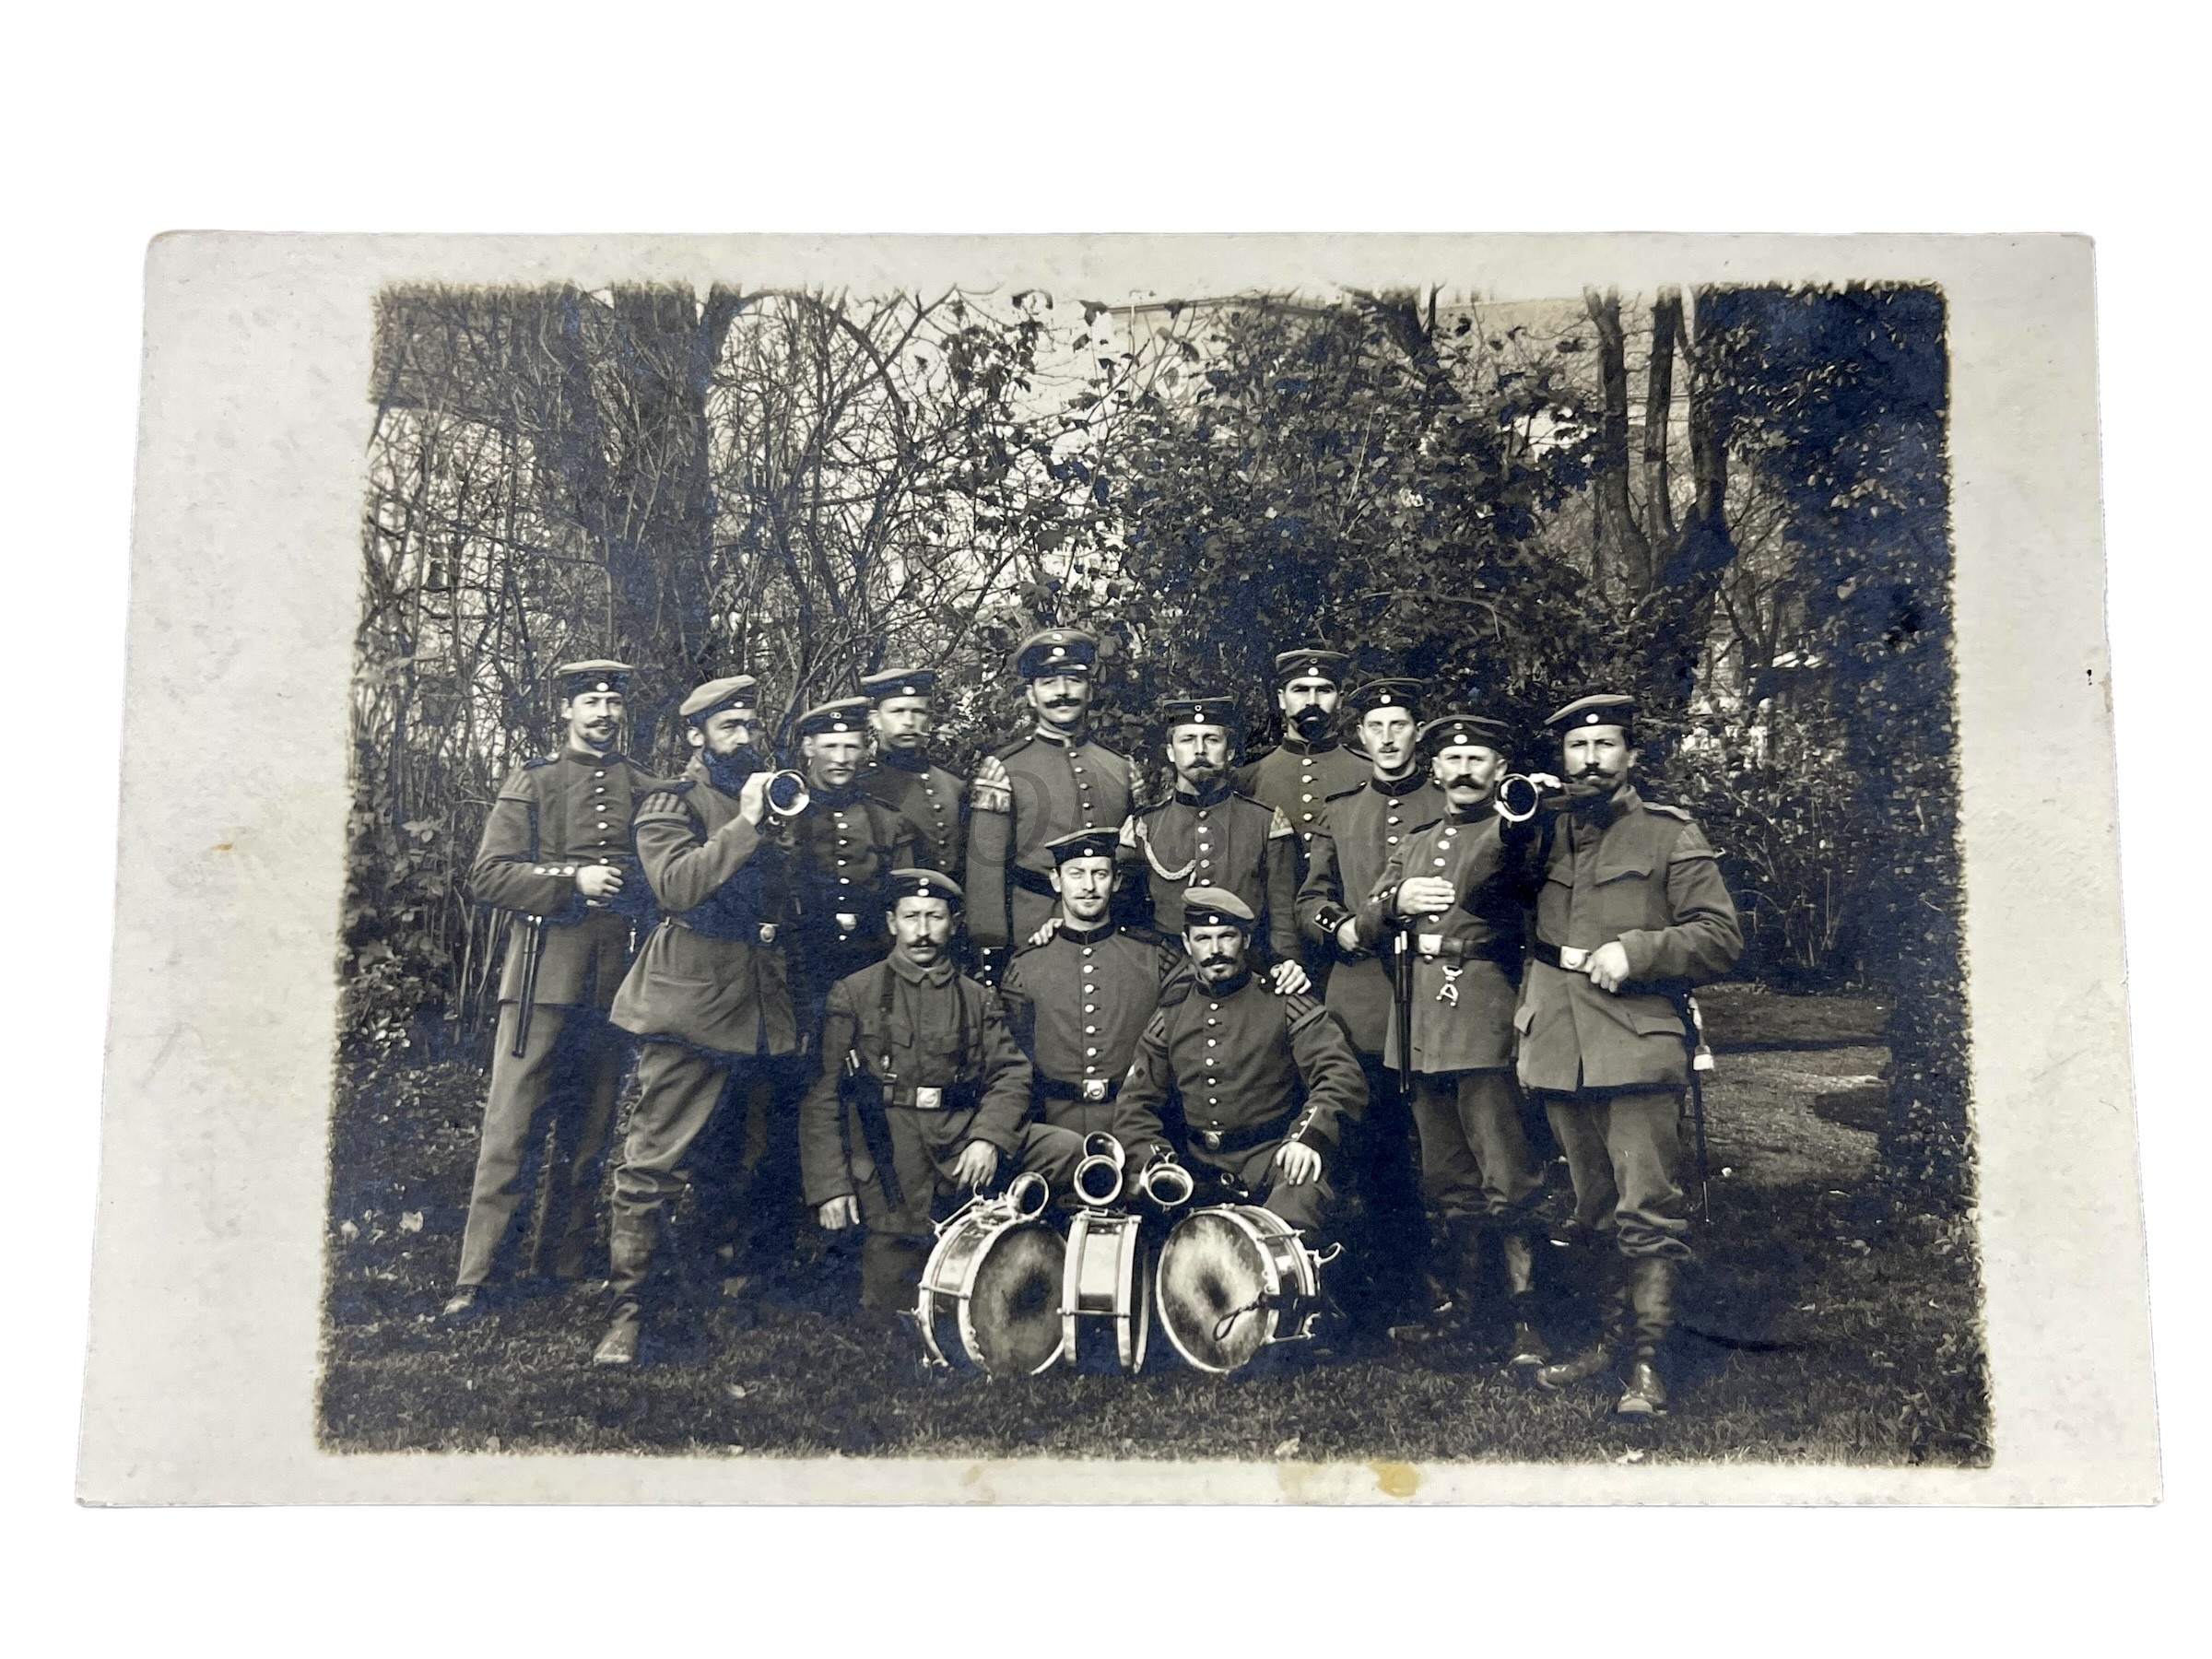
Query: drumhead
(1213, 1284)
(1012, 1322)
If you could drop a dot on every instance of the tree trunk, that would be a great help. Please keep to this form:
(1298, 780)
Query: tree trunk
(1622, 550)
(1658, 411)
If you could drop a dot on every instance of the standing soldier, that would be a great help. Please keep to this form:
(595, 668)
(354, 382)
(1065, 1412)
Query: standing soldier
(1632, 912)
(933, 800)
(1052, 782)
(1460, 890)
(708, 993)
(1265, 1081)
(1361, 831)
(844, 849)
(922, 1092)
(557, 852)
(1207, 835)
(1299, 775)
(1078, 1002)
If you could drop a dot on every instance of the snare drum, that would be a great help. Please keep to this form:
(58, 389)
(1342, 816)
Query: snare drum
(1233, 1278)
(1104, 1290)
(990, 1294)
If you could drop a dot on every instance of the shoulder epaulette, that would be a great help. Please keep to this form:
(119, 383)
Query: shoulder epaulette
(1341, 793)
(1668, 809)
(1148, 810)
(1300, 1010)
(1176, 994)
(537, 760)
(1013, 748)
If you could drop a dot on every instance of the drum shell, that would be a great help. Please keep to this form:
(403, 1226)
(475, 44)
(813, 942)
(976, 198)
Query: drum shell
(1276, 1284)
(947, 1307)
(1105, 1301)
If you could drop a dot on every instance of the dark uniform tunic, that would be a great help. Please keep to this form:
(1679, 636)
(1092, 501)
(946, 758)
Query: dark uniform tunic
(551, 819)
(1226, 1075)
(933, 1067)
(1297, 777)
(1467, 971)
(1077, 1004)
(1058, 788)
(709, 994)
(844, 849)
(1360, 833)
(1612, 1065)
(933, 801)
(1224, 840)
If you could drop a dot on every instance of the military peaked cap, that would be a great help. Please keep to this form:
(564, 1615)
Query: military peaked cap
(1600, 708)
(1214, 906)
(1459, 730)
(845, 715)
(597, 674)
(1083, 843)
(1055, 651)
(737, 691)
(899, 682)
(927, 884)
(1311, 663)
(1198, 711)
(1387, 694)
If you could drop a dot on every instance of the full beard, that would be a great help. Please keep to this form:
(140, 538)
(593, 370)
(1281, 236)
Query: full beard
(728, 772)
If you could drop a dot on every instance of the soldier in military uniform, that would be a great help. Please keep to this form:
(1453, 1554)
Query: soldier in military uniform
(1459, 891)
(1207, 835)
(709, 994)
(844, 849)
(1052, 782)
(1299, 775)
(902, 775)
(1078, 1002)
(924, 1092)
(1631, 912)
(1361, 829)
(557, 852)
(1252, 1088)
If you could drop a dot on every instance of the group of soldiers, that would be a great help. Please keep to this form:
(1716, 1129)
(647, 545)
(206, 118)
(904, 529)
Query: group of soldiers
(1337, 969)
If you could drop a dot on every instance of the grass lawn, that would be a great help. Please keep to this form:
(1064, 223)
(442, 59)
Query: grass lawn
(1808, 1336)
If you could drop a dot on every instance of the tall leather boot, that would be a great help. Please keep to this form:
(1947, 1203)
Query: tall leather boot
(1455, 1268)
(1529, 1348)
(1651, 1292)
(630, 1245)
(1612, 1335)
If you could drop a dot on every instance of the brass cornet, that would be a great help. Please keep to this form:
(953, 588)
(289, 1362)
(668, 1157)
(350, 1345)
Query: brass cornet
(787, 794)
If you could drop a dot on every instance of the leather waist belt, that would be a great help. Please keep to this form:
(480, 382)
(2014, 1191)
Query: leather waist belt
(1436, 948)
(1093, 1089)
(1566, 956)
(1244, 1139)
(750, 933)
(951, 1097)
(1030, 881)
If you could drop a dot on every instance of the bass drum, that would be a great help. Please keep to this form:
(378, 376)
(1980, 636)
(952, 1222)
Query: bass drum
(1232, 1279)
(1105, 1296)
(990, 1296)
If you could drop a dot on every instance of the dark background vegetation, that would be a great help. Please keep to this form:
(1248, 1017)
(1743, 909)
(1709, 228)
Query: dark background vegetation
(1731, 501)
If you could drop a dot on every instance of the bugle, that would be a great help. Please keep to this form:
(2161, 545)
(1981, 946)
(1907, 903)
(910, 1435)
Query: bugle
(787, 794)
(1098, 1178)
(1166, 1183)
(1519, 796)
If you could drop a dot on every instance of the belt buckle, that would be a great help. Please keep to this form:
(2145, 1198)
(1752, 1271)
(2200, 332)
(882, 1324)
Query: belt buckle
(1212, 1139)
(1094, 1089)
(928, 1100)
(1574, 959)
(1431, 944)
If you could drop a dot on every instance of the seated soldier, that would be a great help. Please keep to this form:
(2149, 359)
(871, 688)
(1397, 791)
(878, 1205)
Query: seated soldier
(1078, 1001)
(917, 1057)
(1251, 1085)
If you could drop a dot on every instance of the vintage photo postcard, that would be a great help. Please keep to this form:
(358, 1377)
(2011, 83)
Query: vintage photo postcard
(1284, 869)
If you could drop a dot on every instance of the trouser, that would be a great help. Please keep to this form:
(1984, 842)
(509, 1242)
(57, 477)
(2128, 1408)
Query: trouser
(924, 1146)
(1475, 1163)
(685, 1095)
(744, 1168)
(1250, 1176)
(1623, 1148)
(1389, 1246)
(561, 1086)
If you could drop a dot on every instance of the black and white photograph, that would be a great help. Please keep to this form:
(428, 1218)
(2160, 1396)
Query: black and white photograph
(1031, 863)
